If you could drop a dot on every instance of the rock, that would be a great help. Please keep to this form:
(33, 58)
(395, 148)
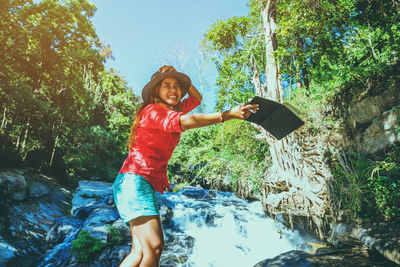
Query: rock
(20, 195)
(102, 215)
(340, 235)
(195, 193)
(7, 251)
(365, 111)
(292, 258)
(98, 231)
(383, 237)
(114, 256)
(369, 108)
(30, 219)
(98, 222)
(122, 228)
(382, 133)
(14, 179)
(350, 256)
(38, 190)
(177, 248)
(379, 119)
(12, 185)
(88, 196)
(62, 228)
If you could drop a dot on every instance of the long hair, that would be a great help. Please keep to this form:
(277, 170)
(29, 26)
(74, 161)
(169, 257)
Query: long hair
(153, 99)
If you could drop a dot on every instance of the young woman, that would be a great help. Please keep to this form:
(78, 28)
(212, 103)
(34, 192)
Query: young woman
(155, 133)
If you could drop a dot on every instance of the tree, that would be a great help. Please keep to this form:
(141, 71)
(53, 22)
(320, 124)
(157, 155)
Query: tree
(61, 111)
(313, 53)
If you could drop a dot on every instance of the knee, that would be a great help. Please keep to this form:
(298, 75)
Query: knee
(157, 248)
(154, 251)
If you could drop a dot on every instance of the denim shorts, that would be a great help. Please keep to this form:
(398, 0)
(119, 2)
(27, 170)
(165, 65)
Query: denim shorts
(134, 197)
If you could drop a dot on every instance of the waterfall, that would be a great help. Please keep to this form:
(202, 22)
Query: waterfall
(226, 230)
(201, 228)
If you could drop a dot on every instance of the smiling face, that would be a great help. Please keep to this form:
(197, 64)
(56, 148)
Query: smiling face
(170, 92)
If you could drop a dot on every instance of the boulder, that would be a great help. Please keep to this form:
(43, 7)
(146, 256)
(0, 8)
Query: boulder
(99, 220)
(383, 237)
(365, 111)
(122, 228)
(113, 256)
(382, 133)
(346, 256)
(102, 215)
(89, 195)
(62, 228)
(38, 189)
(7, 252)
(12, 185)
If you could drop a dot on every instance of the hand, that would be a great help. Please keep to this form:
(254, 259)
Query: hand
(243, 111)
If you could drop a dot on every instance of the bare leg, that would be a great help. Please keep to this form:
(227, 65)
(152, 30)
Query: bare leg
(148, 230)
(135, 256)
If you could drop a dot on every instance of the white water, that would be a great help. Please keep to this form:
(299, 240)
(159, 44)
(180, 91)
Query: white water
(239, 234)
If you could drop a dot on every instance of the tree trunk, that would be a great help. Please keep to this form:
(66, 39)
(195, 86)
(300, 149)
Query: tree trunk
(274, 90)
(55, 144)
(302, 75)
(23, 145)
(18, 140)
(4, 121)
(295, 184)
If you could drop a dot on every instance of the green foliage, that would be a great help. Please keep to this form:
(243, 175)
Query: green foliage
(224, 35)
(220, 156)
(367, 189)
(85, 246)
(350, 186)
(330, 55)
(233, 81)
(65, 114)
(114, 237)
(384, 183)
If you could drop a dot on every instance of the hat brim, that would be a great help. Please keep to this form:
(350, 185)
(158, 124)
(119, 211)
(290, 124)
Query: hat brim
(183, 79)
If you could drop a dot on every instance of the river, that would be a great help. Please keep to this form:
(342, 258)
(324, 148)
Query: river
(201, 228)
(226, 230)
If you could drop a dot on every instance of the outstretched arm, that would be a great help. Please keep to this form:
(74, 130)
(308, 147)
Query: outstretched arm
(191, 121)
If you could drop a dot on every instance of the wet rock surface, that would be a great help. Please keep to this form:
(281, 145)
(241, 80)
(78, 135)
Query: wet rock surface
(43, 225)
(374, 122)
(30, 203)
(383, 237)
(336, 257)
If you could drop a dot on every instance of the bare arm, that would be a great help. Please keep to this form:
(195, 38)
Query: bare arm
(191, 121)
(194, 93)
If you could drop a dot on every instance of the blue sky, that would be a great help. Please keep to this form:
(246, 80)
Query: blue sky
(147, 34)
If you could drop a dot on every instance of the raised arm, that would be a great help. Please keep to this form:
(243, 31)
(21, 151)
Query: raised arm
(191, 121)
(194, 93)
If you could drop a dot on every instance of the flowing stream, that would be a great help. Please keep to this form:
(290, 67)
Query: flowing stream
(226, 230)
(201, 228)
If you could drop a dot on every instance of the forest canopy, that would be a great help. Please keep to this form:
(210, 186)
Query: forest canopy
(62, 112)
